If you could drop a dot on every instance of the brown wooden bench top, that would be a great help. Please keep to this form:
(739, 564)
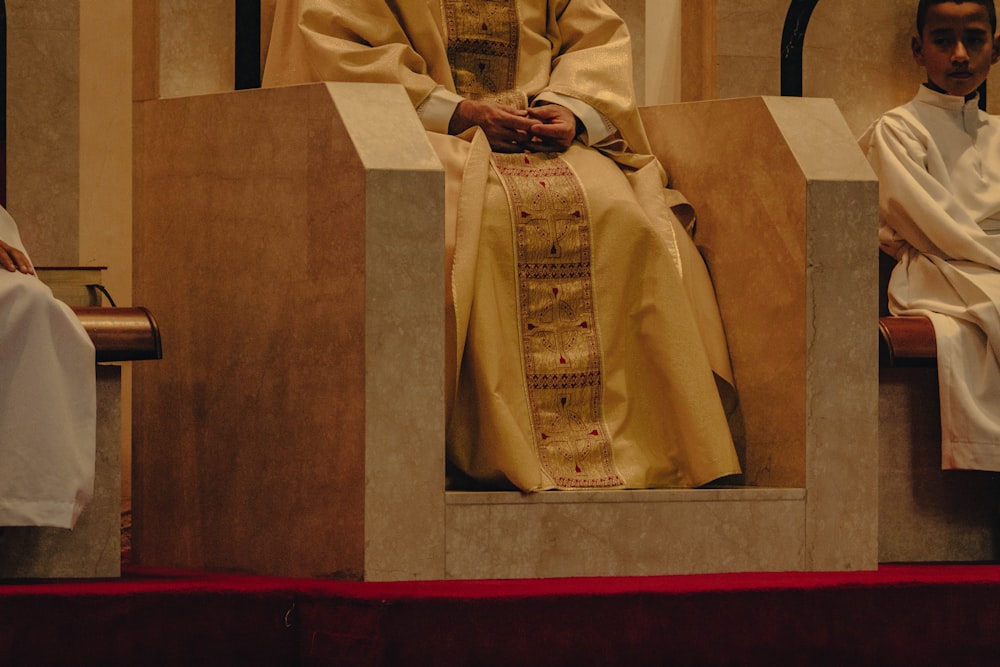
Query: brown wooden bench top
(121, 334)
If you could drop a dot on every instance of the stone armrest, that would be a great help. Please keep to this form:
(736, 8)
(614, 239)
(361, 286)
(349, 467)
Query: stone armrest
(786, 207)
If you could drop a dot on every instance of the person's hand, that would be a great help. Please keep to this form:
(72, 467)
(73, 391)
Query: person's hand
(13, 259)
(556, 130)
(508, 130)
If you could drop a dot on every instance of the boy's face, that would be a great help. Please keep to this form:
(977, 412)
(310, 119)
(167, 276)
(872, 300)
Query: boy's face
(957, 47)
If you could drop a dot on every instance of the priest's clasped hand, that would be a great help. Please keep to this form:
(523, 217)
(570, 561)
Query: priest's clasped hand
(545, 129)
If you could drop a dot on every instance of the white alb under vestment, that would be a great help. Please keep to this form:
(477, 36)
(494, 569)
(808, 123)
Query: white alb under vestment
(47, 403)
(938, 162)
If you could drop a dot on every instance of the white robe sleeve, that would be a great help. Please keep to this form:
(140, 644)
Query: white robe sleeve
(915, 207)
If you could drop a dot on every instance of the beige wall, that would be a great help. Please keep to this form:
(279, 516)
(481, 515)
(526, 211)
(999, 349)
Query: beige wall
(856, 52)
(69, 129)
(43, 126)
(197, 46)
(69, 133)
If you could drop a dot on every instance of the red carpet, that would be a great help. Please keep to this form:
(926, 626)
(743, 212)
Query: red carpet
(900, 615)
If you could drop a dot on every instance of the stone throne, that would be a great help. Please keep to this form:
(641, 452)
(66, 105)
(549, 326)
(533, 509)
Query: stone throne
(293, 253)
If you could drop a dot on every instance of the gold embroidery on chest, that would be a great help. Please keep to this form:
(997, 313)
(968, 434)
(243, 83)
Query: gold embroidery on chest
(482, 49)
(559, 336)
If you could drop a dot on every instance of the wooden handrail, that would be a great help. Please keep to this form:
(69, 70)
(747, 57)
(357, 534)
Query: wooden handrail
(121, 334)
(906, 341)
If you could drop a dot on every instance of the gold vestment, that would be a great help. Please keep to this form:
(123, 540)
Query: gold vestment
(584, 327)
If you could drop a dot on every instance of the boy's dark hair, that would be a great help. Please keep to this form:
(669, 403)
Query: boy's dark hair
(922, 6)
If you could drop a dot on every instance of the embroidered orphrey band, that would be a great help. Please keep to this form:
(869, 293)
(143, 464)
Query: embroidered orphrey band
(482, 49)
(559, 336)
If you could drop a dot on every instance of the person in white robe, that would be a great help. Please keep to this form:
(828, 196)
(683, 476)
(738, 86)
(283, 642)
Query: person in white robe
(938, 163)
(47, 397)
(583, 329)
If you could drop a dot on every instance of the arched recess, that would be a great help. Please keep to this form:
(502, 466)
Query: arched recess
(248, 44)
(793, 39)
(793, 42)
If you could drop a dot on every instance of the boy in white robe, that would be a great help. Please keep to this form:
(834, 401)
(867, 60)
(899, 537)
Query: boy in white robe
(938, 162)
(47, 398)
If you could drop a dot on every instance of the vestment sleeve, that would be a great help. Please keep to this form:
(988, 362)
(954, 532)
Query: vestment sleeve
(369, 41)
(597, 126)
(593, 63)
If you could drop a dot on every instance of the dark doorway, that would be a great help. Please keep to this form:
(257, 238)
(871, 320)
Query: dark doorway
(247, 44)
(3, 103)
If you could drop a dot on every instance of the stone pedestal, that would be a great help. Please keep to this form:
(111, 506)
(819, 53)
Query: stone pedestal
(927, 514)
(292, 250)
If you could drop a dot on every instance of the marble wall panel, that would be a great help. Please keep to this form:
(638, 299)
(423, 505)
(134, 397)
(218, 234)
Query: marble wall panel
(231, 302)
(731, 48)
(43, 126)
(197, 46)
(859, 54)
(855, 52)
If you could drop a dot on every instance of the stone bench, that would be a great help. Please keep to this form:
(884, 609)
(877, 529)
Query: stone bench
(925, 514)
(93, 547)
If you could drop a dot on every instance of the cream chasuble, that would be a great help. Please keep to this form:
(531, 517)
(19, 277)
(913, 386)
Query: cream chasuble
(580, 358)
(47, 403)
(938, 163)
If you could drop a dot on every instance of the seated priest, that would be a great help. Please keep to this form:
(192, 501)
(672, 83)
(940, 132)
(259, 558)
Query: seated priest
(583, 328)
(47, 398)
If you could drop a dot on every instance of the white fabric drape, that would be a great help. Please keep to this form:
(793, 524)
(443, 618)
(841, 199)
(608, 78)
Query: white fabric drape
(47, 403)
